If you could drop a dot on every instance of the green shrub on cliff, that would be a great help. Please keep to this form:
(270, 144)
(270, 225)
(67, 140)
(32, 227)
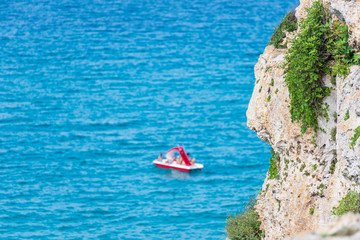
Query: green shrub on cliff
(245, 226)
(333, 166)
(350, 203)
(347, 115)
(341, 53)
(321, 48)
(333, 134)
(355, 137)
(274, 165)
(289, 24)
(304, 68)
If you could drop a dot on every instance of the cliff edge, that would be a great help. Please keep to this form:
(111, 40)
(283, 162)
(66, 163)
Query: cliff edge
(312, 176)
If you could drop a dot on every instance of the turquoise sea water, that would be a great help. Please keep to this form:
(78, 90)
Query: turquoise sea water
(92, 91)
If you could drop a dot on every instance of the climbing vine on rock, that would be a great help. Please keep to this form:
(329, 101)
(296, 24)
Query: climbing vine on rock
(342, 54)
(320, 48)
(355, 137)
(350, 203)
(274, 165)
(304, 68)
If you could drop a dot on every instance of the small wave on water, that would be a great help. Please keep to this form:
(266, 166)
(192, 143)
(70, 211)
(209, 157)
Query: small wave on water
(92, 91)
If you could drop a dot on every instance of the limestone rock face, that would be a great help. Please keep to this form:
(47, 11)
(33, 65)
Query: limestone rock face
(300, 10)
(346, 227)
(313, 176)
(348, 120)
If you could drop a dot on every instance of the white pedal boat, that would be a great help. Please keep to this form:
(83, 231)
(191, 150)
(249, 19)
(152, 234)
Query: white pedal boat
(169, 164)
(180, 167)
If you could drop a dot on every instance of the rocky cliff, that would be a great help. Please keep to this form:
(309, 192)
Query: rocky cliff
(312, 176)
(346, 227)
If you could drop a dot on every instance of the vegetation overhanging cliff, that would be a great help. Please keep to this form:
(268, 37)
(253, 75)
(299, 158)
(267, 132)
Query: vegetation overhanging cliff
(306, 105)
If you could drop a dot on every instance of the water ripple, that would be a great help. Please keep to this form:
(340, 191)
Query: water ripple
(92, 91)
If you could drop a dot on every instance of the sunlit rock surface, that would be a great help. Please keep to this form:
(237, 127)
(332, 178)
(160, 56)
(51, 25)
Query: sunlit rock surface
(346, 227)
(306, 183)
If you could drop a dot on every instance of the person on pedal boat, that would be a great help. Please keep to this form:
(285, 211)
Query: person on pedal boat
(191, 160)
(160, 158)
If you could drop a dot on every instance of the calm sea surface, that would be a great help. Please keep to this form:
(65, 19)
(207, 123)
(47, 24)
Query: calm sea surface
(92, 91)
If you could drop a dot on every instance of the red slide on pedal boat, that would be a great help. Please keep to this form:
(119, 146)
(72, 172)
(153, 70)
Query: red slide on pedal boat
(171, 164)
